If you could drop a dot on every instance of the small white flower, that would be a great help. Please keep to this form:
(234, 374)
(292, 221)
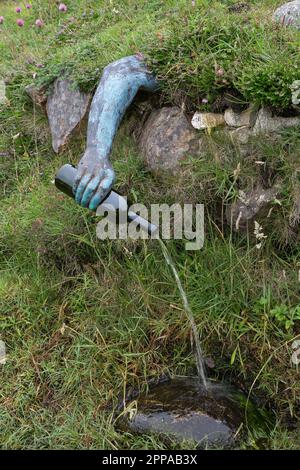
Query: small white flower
(259, 235)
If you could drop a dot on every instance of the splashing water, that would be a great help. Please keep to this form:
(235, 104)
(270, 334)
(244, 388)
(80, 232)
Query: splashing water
(189, 313)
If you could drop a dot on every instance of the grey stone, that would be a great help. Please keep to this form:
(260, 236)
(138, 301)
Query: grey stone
(3, 98)
(183, 410)
(37, 95)
(249, 206)
(289, 14)
(266, 123)
(66, 109)
(295, 88)
(203, 121)
(167, 138)
(245, 118)
(242, 135)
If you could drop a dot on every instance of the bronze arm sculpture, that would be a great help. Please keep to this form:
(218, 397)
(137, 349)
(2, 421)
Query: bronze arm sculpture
(119, 84)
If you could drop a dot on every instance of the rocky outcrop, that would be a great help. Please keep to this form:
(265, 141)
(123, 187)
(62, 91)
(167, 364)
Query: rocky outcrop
(289, 14)
(243, 126)
(66, 109)
(167, 138)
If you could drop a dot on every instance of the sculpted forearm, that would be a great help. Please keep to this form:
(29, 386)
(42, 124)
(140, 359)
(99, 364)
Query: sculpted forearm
(119, 84)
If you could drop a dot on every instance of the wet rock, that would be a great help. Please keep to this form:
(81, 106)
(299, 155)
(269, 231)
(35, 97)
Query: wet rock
(289, 14)
(66, 109)
(203, 121)
(183, 410)
(38, 96)
(3, 99)
(250, 206)
(245, 118)
(167, 138)
(266, 123)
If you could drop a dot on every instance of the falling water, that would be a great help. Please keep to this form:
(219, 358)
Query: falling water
(188, 311)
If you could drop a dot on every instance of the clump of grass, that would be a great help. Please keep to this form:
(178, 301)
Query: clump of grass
(197, 51)
(211, 50)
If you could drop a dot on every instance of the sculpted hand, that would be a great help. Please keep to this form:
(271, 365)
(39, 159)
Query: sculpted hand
(94, 180)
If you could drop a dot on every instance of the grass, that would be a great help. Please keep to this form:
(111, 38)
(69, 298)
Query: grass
(83, 319)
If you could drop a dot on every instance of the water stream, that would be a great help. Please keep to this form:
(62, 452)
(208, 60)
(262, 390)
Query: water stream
(198, 350)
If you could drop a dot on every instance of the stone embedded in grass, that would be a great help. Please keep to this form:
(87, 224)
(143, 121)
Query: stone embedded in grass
(267, 123)
(241, 136)
(295, 89)
(249, 206)
(66, 109)
(289, 14)
(245, 118)
(167, 138)
(204, 121)
(183, 410)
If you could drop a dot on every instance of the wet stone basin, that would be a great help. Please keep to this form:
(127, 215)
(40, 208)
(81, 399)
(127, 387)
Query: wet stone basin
(184, 410)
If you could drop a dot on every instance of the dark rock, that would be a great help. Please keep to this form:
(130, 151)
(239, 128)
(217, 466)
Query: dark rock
(289, 14)
(183, 410)
(249, 206)
(167, 138)
(66, 109)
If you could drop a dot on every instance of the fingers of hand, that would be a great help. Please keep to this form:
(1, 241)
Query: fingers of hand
(103, 189)
(107, 182)
(81, 188)
(79, 176)
(90, 189)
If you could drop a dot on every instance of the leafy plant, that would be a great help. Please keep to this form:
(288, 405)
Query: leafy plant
(286, 316)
